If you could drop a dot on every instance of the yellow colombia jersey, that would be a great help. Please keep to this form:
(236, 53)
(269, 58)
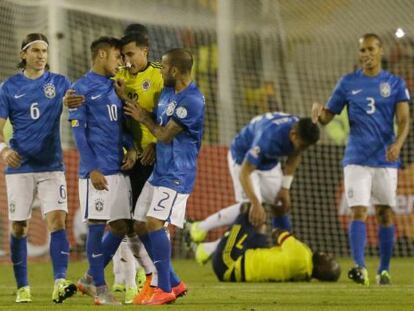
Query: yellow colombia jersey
(291, 260)
(144, 87)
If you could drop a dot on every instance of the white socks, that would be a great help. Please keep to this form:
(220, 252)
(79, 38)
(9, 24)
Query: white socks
(224, 217)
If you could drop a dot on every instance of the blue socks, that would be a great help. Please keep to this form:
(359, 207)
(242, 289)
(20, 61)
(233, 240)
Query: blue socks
(357, 239)
(282, 222)
(161, 256)
(18, 249)
(59, 252)
(386, 244)
(95, 253)
(110, 244)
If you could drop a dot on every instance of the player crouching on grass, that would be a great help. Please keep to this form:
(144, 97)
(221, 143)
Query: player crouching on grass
(244, 255)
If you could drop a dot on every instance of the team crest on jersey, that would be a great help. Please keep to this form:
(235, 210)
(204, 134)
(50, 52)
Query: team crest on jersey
(12, 207)
(181, 112)
(99, 204)
(49, 90)
(170, 108)
(146, 85)
(385, 89)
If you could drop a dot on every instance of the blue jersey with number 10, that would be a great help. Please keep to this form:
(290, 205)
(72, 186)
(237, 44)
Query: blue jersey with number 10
(371, 104)
(103, 116)
(264, 140)
(34, 107)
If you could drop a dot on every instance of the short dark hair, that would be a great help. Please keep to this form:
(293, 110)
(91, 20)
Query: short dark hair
(372, 35)
(308, 131)
(136, 28)
(104, 43)
(181, 58)
(325, 268)
(140, 39)
(30, 38)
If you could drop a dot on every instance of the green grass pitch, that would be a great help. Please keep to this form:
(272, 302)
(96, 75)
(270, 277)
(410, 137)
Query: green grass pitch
(206, 293)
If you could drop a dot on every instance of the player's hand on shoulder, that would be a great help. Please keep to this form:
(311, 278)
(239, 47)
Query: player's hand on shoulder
(257, 214)
(11, 157)
(393, 152)
(71, 100)
(119, 86)
(283, 197)
(129, 160)
(316, 111)
(147, 156)
(98, 180)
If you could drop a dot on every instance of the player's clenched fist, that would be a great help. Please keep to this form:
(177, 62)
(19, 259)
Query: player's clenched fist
(11, 157)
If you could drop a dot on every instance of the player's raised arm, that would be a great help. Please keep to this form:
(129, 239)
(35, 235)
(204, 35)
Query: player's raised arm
(163, 133)
(320, 114)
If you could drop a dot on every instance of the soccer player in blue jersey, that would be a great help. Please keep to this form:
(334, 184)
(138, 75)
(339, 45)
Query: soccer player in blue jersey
(373, 97)
(254, 164)
(178, 127)
(32, 100)
(104, 191)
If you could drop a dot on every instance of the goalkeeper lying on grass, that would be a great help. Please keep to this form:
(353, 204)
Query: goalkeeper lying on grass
(244, 255)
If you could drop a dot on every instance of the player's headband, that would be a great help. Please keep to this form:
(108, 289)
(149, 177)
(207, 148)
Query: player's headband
(33, 42)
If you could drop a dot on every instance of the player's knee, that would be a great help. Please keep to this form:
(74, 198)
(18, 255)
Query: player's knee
(154, 224)
(140, 228)
(384, 215)
(359, 213)
(56, 221)
(119, 227)
(19, 229)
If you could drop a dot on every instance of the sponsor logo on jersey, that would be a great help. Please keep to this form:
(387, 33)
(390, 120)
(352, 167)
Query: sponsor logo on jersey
(49, 90)
(99, 204)
(385, 89)
(181, 112)
(146, 85)
(170, 108)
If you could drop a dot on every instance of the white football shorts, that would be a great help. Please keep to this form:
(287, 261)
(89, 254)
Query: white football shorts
(161, 203)
(110, 205)
(266, 184)
(365, 185)
(22, 189)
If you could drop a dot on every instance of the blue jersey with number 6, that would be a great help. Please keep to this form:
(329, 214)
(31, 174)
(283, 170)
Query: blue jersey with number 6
(371, 104)
(103, 117)
(34, 107)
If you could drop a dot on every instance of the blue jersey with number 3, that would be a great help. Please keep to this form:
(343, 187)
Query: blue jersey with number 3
(371, 104)
(176, 163)
(103, 117)
(264, 140)
(34, 107)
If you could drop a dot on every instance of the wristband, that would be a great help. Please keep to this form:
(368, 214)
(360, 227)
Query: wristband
(287, 181)
(3, 146)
